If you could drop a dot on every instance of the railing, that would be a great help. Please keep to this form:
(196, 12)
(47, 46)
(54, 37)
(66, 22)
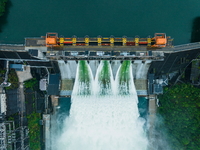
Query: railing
(188, 46)
(177, 48)
(12, 47)
(11, 44)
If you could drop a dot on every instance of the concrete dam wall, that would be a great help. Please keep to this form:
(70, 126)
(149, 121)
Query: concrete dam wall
(68, 71)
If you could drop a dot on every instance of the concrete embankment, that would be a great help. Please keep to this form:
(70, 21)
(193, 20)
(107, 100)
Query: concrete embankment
(47, 133)
(151, 121)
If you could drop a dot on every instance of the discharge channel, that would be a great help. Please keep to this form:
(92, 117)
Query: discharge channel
(104, 112)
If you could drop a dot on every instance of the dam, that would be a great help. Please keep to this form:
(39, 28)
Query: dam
(96, 114)
(98, 74)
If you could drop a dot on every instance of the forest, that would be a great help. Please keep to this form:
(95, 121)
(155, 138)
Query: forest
(180, 105)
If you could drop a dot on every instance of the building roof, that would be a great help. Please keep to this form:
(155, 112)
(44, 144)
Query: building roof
(33, 52)
(51, 40)
(53, 85)
(158, 89)
(3, 106)
(17, 67)
(43, 84)
(13, 102)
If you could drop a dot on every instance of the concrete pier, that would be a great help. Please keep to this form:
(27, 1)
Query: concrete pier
(54, 101)
(46, 129)
(151, 120)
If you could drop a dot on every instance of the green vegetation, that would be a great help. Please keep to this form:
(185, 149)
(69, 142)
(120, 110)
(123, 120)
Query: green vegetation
(2, 6)
(180, 108)
(32, 84)
(13, 79)
(10, 118)
(34, 131)
(33, 118)
(2, 73)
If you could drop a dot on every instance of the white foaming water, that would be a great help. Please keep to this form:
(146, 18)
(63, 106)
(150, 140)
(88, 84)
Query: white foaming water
(85, 84)
(104, 122)
(140, 69)
(65, 70)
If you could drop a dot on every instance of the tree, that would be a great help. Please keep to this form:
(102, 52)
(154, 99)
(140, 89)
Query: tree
(33, 83)
(2, 6)
(180, 108)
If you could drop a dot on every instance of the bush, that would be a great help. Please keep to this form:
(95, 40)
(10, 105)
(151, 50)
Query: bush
(33, 83)
(13, 79)
(34, 131)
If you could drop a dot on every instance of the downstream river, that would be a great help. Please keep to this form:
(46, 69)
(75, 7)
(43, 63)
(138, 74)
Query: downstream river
(33, 18)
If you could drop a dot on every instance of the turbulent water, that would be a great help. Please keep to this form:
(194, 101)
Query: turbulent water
(104, 113)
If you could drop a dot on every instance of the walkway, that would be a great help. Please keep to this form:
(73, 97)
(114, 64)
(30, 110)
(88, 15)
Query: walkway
(183, 47)
(12, 47)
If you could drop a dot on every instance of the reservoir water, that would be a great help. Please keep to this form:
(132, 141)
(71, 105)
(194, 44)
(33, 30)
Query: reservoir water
(27, 18)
